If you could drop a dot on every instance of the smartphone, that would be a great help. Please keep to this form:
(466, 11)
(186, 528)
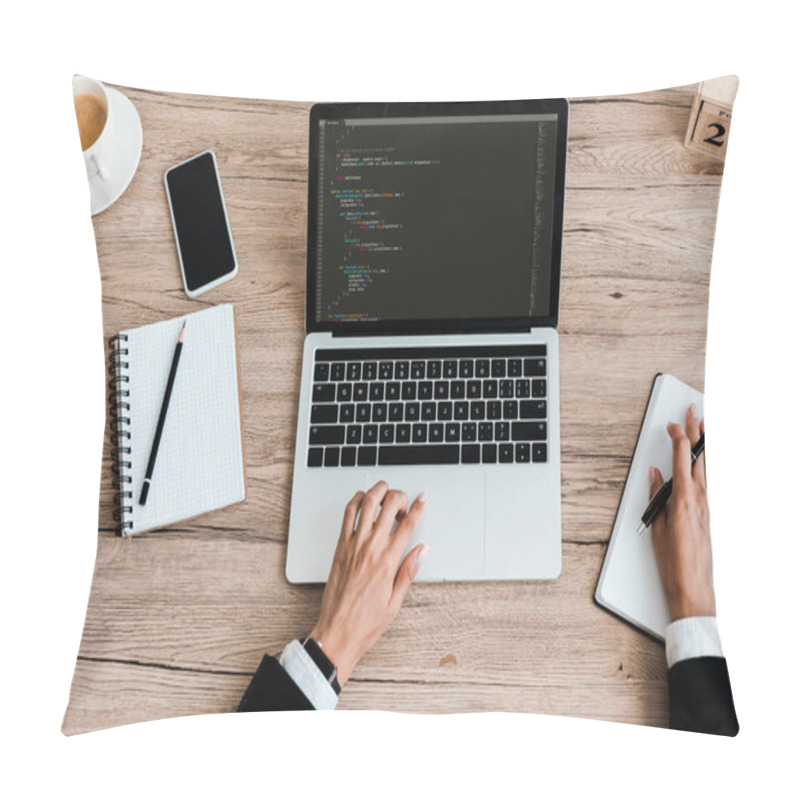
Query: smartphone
(200, 222)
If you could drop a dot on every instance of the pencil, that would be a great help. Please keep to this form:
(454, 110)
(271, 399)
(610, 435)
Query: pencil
(161, 418)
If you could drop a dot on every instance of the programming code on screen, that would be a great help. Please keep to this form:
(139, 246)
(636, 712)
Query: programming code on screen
(434, 218)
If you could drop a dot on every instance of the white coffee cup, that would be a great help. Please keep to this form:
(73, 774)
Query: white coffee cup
(95, 125)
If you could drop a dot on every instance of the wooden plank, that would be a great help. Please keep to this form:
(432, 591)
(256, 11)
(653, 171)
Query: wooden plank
(178, 619)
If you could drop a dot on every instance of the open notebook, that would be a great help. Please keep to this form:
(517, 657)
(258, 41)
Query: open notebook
(629, 584)
(200, 462)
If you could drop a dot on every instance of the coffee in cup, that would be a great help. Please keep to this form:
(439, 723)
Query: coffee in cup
(91, 112)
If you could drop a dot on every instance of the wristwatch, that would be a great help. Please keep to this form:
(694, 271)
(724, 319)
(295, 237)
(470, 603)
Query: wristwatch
(326, 667)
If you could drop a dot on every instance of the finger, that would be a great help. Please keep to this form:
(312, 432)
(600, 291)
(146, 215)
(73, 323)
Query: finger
(395, 503)
(700, 465)
(406, 528)
(657, 526)
(693, 432)
(369, 508)
(681, 457)
(406, 574)
(350, 515)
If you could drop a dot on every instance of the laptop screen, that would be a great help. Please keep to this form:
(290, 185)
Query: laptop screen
(448, 217)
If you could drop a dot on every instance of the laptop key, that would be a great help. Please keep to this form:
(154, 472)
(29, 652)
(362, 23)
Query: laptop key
(529, 431)
(465, 368)
(376, 391)
(348, 458)
(434, 370)
(417, 370)
(395, 412)
(409, 390)
(445, 411)
(498, 368)
(485, 431)
(403, 433)
(452, 431)
(363, 412)
(502, 431)
(473, 389)
(344, 392)
(470, 454)
(494, 409)
(482, 368)
(379, 411)
(514, 367)
(331, 456)
(450, 369)
(419, 433)
(425, 390)
(539, 453)
(347, 413)
(469, 432)
(393, 391)
(462, 410)
(370, 435)
(458, 390)
(321, 372)
(315, 457)
(401, 370)
(369, 371)
(418, 454)
(353, 434)
(441, 390)
(522, 453)
(510, 409)
(367, 456)
(323, 414)
(436, 432)
(386, 434)
(428, 411)
(523, 388)
(326, 434)
(354, 371)
(412, 412)
(533, 409)
(506, 388)
(490, 389)
(538, 388)
(506, 453)
(477, 410)
(323, 393)
(360, 392)
(533, 367)
(337, 372)
(489, 454)
(385, 370)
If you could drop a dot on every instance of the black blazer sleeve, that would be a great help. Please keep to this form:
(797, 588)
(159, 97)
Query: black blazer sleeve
(700, 697)
(273, 690)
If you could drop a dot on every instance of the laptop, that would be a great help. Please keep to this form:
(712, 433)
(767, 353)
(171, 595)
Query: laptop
(431, 356)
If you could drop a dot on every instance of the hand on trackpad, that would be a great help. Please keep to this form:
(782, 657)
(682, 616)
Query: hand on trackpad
(453, 523)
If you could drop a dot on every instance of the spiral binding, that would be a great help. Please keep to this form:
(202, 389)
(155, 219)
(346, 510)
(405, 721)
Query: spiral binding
(120, 422)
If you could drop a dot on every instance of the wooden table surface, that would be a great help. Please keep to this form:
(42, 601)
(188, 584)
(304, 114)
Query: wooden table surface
(178, 619)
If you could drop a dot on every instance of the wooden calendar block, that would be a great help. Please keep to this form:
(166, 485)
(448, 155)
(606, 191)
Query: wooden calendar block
(710, 120)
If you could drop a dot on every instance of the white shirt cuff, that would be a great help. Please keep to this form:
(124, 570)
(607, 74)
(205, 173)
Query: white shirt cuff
(692, 637)
(306, 674)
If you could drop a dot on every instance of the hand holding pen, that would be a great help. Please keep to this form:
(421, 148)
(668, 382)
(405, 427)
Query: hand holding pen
(680, 533)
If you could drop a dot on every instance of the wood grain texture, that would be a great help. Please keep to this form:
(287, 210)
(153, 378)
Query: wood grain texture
(179, 619)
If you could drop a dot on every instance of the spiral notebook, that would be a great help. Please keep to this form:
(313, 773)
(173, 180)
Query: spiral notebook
(200, 460)
(629, 584)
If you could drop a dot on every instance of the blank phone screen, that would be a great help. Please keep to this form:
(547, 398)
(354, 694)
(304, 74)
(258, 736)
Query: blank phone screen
(198, 212)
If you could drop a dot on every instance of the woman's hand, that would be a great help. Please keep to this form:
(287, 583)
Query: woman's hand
(366, 587)
(680, 533)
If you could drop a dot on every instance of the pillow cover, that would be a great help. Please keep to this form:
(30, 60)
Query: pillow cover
(179, 618)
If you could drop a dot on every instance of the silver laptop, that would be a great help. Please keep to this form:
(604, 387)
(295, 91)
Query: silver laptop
(431, 360)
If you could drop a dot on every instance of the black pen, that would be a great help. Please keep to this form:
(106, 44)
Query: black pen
(656, 505)
(161, 417)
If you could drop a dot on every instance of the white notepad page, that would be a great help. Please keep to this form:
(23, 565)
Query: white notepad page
(629, 583)
(200, 462)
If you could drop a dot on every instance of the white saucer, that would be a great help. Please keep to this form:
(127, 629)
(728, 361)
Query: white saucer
(126, 153)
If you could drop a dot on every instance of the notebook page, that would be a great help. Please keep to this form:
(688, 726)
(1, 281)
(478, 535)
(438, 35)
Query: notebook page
(200, 464)
(629, 583)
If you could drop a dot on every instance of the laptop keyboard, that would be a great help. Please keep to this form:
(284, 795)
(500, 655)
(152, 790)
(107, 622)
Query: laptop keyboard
(451, 405)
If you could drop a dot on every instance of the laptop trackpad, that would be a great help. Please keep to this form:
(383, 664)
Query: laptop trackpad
(453, 523)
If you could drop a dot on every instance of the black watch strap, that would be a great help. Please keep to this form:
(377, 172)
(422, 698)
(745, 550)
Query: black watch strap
(326, 667)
